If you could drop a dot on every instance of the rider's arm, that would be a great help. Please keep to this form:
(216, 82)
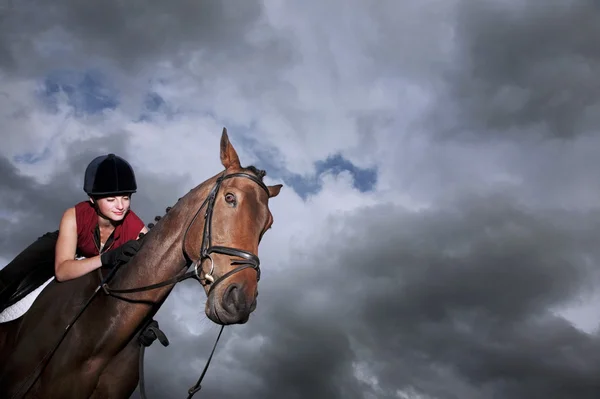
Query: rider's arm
(65, 265)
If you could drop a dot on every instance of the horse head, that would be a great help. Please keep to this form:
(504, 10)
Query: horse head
(223, 238)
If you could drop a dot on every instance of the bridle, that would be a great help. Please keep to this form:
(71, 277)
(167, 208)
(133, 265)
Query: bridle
(206, 249)
(249, 260)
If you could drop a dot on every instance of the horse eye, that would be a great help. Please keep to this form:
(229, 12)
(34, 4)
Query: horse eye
(229, 198)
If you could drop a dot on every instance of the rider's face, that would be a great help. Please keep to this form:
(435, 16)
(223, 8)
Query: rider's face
(114, 208)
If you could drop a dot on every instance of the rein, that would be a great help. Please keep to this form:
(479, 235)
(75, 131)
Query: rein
(249, 260)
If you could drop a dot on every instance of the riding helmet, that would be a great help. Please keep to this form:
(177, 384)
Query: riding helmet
(109, 175)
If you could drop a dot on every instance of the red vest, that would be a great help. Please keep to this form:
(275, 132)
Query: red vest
(87, 222)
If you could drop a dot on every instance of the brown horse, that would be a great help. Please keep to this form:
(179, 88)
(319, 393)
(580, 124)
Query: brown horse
(215, 230)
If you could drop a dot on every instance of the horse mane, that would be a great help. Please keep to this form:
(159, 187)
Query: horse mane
(259, 173)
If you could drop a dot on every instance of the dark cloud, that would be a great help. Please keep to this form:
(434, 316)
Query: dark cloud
(37, 36)
(469, 289)
(452, 302)
(29, 209)
(523, 69)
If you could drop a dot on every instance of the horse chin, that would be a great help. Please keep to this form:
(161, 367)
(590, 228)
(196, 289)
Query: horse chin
(226, 315)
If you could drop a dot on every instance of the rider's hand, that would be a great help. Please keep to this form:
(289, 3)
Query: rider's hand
(121, 254)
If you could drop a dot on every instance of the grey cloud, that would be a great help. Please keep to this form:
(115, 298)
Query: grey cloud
(523, 68)
(33, 208)
(452, 302)
(37, 36)
(347, 53)
(470, 289)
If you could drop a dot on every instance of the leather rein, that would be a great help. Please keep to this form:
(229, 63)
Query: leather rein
(249, 260)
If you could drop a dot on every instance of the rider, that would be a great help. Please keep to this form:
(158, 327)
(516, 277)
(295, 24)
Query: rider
(102, 230)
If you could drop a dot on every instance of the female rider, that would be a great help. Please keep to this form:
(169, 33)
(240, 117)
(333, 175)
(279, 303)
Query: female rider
(102, 231)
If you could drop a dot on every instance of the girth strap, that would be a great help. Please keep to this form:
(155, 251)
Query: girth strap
(146, 338)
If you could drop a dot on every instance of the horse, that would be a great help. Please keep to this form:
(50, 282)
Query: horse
(80, 338)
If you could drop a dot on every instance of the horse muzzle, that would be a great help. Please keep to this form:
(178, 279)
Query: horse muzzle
(230, 305)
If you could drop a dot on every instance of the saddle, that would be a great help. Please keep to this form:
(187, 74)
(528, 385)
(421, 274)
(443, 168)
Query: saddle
(17, 289)
(28, 271)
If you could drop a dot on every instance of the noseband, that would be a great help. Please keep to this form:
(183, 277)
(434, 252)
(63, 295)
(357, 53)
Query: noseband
(206, 249)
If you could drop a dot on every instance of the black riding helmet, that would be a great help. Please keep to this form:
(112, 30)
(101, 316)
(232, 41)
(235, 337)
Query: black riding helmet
(109, 175)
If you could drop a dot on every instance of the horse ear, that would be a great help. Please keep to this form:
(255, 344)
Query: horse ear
(274, 190)
(229, 158)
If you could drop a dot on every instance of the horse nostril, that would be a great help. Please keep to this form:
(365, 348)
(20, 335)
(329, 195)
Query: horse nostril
(232, 298)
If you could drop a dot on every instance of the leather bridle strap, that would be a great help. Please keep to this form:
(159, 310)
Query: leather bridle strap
(192, 391)
(206, 249)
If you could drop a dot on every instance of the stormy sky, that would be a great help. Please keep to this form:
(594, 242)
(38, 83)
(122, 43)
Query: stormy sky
(437, 233)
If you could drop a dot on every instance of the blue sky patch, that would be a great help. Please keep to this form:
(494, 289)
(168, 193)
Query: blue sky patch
(32, 157)
(364, 179)
(87, 92)
(153, 102)
(270, 159)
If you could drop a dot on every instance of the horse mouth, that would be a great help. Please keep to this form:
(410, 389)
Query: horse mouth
(226, 314)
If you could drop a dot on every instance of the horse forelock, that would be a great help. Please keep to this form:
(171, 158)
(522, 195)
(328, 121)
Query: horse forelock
(259, 173)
